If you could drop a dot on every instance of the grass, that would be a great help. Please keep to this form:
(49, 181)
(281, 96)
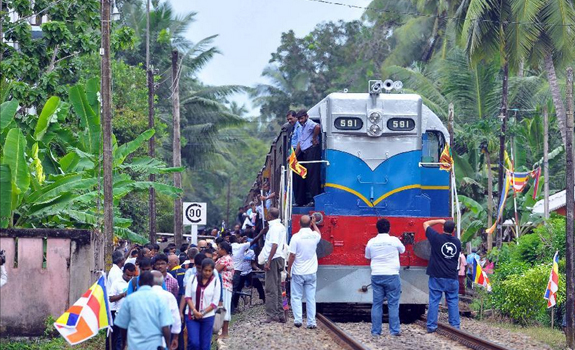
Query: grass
(58, 343)
(552, 337)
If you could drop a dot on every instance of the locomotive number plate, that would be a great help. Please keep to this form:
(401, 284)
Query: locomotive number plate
(348, 123)
(400, 124)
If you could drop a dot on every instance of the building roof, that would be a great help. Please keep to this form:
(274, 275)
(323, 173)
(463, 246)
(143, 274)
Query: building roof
(556, 201)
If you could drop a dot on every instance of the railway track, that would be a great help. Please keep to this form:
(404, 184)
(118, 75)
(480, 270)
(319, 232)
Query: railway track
(341, 337)
(464, 338)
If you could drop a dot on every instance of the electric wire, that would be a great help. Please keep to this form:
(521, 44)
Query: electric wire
(417, 14)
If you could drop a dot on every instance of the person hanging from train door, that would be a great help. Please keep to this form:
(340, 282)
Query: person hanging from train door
(309, 146)
(383, 250)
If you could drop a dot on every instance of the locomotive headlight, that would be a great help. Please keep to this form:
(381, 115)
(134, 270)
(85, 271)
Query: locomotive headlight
(374, 117)
(374, 129)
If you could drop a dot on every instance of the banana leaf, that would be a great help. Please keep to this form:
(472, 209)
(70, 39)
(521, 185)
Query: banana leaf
(130, 147)
(7, 112)
(45, 118)
(5, 196)
(89, 120)
(15, 157)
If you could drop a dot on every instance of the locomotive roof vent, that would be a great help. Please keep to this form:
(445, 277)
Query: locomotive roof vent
(376, 87)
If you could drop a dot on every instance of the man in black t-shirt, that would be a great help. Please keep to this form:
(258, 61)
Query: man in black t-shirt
(442, 270)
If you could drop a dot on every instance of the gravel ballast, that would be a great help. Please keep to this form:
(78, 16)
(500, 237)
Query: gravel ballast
(247, 333)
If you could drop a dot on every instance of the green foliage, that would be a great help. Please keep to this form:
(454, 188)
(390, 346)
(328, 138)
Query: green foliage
(68, 195)
(522, 294)
(522, 273)
(43, 67)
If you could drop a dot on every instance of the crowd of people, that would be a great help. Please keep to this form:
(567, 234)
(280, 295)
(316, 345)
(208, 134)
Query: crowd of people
(158, 295)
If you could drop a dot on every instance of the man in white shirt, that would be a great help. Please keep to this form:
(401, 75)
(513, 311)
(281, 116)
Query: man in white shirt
(273, 255)
(383, 251)
(302, 266)
(239, 250)
(172, 305)
(117, 294)
(115, 272)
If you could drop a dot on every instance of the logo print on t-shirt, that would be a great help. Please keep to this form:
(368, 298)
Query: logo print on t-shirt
(448, 250)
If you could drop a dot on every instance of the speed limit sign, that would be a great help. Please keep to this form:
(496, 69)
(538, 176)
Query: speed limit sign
(195, 213)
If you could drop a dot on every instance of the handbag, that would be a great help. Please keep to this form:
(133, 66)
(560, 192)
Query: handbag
(219, 320)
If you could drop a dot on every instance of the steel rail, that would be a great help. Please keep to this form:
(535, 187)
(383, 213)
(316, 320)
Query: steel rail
(339, 335)
(463, 337)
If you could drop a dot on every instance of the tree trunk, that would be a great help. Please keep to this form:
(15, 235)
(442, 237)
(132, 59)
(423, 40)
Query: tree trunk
(556, 94)
(503, 114)
(177, 151)
(489, 199)
(569, 234)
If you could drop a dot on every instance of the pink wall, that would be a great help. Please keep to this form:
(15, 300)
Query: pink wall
(33, 292)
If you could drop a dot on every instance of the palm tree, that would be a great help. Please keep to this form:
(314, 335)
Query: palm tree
(547, 39)
(486, 33)
(276, 98)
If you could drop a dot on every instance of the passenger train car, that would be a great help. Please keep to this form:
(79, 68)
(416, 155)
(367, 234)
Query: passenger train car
(380, 153)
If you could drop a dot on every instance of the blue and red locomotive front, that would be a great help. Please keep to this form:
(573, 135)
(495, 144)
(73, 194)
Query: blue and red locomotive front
(381, 153)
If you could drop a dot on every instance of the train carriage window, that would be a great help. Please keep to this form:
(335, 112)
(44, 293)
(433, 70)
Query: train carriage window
(431, 147)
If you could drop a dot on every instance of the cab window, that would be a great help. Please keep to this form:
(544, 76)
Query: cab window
(431, 147)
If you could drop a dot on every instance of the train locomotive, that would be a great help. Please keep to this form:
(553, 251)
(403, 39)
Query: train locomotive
(380, 153)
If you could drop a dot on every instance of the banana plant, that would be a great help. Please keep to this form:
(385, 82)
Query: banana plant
(41, 187)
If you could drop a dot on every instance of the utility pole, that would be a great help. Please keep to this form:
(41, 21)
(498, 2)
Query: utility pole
(570, 241)
(503, 116)
(228, 207)
(177, 151)
(545, 164)
(106, 95)
(152, 141)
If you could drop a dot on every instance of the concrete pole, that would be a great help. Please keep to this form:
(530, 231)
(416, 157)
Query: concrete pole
(177, 150)
(570, 242)
(545, 163)
(106, 95)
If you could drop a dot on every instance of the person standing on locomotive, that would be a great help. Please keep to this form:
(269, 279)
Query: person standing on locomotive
(302, 266)
(308, 145)
(443, 272)
(383, 250)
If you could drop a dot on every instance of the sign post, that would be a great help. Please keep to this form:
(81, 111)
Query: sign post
(195, 214)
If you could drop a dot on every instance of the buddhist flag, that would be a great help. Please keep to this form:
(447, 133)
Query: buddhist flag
(295, 166)
(480, 277)
(446, 161)
(536, 174)
(502, 201)
(520, 181)
(553, 285)
(87, 316)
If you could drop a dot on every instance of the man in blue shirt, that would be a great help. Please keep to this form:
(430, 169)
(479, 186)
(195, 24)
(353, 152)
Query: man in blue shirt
(144, 317)
(308, 146)
(470, 259)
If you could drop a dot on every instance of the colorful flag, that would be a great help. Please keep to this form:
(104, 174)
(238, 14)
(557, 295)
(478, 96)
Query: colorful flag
(480, 277)
(536, 174)
(87, 316)
(502, 200)
(445, 160)
(295, 166)
(553, 285)
(520, 181)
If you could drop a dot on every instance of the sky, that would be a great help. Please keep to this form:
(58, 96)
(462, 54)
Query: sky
(250, 30)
